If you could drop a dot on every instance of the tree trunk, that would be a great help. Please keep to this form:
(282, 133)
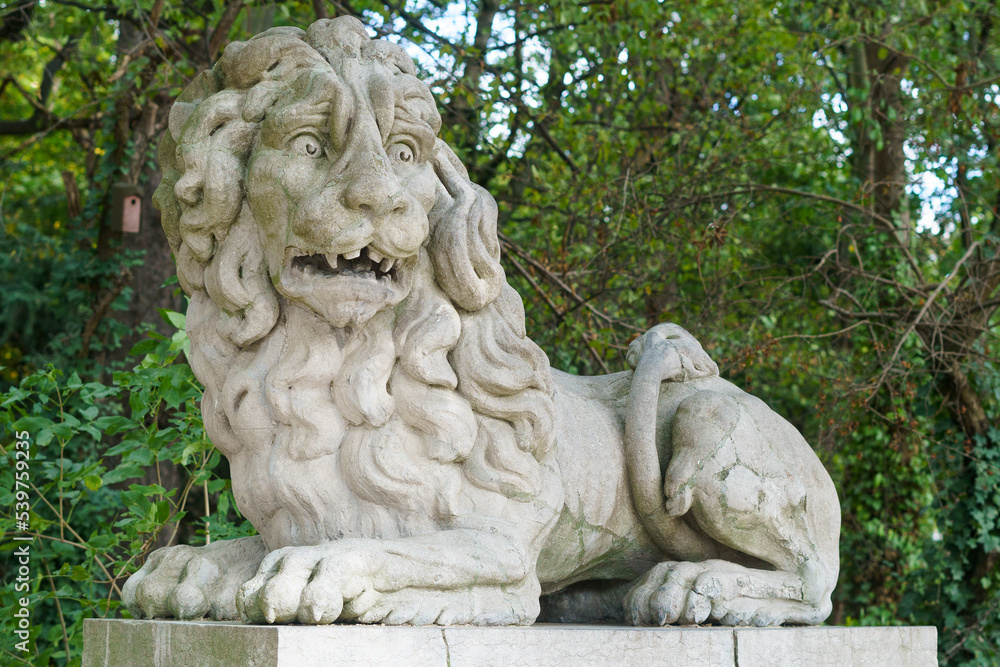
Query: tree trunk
(888, 163)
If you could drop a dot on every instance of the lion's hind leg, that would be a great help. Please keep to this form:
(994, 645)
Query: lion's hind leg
(750, 482)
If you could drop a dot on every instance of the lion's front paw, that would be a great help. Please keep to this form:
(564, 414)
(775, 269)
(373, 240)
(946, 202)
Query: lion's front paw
(192, 582)
(173, 582)
(314, 585)
(336, 581)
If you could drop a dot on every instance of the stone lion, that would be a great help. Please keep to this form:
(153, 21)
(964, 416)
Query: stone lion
(404, 451)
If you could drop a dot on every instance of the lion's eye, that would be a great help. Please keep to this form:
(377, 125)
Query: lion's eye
(307, 144)
(401, 153)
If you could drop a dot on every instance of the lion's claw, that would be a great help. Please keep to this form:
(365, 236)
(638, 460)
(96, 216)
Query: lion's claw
(323, 584)
(313, 585)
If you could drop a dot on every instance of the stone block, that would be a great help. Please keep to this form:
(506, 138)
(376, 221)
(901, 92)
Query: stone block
(162, 643)
(835, 646)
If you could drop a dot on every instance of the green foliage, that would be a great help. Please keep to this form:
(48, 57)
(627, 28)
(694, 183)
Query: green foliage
(47, 304)
(967, 512)
(97, 502)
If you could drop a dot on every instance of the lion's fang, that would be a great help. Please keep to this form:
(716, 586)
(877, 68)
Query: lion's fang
(354, 254)
(374, 255)
(332, 259)
(387, 263)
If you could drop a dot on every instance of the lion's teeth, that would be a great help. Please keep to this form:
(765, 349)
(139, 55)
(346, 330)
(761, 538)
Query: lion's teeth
(385, 279)
(332, 259)
(370, 275)
(353, 254)
(387, 264)
(374, 255)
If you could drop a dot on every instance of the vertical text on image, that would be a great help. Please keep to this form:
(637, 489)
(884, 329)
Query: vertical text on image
(22, 553)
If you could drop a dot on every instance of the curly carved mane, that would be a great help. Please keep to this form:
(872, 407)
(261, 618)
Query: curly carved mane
(441, 390)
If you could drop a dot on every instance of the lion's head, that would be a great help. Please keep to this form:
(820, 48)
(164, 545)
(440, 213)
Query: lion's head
(350, 318)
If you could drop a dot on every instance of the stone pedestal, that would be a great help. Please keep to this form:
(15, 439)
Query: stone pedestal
(123, 643)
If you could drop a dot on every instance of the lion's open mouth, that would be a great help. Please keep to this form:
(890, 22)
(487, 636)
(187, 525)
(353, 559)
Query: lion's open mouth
(345, 288)
(365, 263)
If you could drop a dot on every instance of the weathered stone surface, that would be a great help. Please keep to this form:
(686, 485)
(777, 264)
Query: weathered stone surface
(118, 643)
(871, 647)
(161, 643)
(404, 450)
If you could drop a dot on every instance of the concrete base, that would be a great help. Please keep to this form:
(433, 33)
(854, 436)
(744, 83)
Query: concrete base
(122, 643)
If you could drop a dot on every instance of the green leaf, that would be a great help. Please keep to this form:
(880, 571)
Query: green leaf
(122, 473)
(162, 511)
(93, 482)
(144, 347)
(115, 424)
(33, 424)
(173, 318)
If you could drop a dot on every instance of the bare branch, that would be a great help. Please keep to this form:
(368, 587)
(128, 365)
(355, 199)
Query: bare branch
(889, 224)
(534, 284)
(923, 311)
(555, 280)
(822, 335)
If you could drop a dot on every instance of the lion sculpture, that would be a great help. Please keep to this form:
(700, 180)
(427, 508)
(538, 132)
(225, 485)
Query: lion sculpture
(404, 451)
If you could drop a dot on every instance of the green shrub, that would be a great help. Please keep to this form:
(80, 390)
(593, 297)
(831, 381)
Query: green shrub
(97, 503)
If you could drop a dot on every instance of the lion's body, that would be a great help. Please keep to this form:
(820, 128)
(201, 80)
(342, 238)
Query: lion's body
(402, 447)
(609, 539)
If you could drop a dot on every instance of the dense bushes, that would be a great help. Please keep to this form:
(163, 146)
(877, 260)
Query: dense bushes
(98, 501)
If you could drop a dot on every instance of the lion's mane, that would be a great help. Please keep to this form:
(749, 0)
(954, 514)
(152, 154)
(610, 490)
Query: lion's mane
(443, 390)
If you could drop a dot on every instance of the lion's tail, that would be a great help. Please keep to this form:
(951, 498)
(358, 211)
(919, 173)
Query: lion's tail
(654, 358)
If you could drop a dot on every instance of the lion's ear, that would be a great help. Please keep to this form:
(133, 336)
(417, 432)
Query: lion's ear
(463, 245)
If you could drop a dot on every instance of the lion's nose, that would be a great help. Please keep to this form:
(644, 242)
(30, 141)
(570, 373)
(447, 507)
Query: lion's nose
(376, 195)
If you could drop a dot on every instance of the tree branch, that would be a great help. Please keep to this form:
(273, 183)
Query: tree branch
(535, 286)
(101, 309)
(36, 122)
(109, 11)
(222, 29)
(414, 23)
(923, 311)
(888, 223)
(16, 20)
(555, 280)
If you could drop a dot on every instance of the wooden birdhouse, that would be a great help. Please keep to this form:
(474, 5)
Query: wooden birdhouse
(126, 207)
